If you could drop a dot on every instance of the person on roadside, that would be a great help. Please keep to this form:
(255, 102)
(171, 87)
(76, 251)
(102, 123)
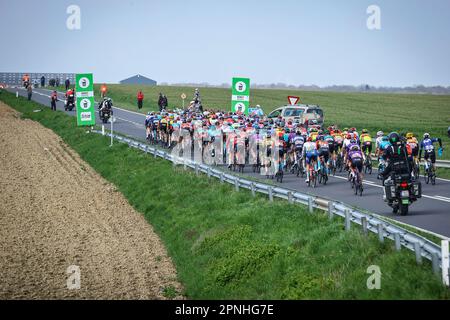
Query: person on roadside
(67, 83)
(54, 99)
(29, 92)
(42, 81)
(161, 102)
(140, 99)
(57, 82)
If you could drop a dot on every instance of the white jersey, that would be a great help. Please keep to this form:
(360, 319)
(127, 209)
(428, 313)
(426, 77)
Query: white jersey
(346, 143)
(309, 147)
(378, 141)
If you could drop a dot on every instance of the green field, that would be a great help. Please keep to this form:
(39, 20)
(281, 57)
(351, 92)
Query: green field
(387, 112)
(229, 245)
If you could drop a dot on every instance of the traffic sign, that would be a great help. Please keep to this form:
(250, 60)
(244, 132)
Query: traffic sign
(84, 88)
(183, 96)
(293, 100)
(240, 95)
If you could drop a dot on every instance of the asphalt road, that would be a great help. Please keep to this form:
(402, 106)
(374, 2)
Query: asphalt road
(431, 212)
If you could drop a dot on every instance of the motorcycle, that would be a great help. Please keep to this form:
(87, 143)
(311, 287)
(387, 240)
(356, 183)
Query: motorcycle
(400, 191)
(70, 103)
(105, 111)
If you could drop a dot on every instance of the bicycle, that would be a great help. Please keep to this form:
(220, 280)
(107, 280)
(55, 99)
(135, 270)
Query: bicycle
(312, 175)
(430, 175)
(356, 182)
(322, 171)
(279, 175)
(416, 168)
(339, 162)
(368, 163)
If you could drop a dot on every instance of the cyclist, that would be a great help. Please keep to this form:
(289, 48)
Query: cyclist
(323, 150)
(310, 154)
(427, 146)
(148, 124)
(297, 143)
(328, 137)
(355, 157)
(366, 145)
(413, 148)
(380, 135)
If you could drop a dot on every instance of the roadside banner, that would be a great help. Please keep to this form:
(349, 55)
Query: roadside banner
(240, 95)
(84, 90)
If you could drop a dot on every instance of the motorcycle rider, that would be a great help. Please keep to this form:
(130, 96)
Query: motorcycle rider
(70, 97)
(397, 158)
(105, 107)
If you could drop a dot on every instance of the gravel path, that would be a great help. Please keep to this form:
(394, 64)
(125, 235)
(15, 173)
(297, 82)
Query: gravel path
(44, 228)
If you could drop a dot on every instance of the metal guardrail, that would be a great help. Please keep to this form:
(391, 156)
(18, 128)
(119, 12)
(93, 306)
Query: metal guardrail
(422, 247)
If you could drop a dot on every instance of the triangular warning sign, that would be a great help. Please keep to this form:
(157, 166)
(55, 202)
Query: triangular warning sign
(293, 100)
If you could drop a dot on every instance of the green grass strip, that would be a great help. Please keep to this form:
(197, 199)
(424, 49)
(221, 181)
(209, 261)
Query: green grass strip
(229, 245)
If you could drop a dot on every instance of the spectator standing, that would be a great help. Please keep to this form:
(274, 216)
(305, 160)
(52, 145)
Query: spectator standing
(67, 84)
(54, 99)
(160, 102)
(57, 82)
(42, 81)
(140, 99)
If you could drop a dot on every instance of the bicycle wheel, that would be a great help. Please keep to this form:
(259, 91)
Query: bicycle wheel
(315, 179)
(427, 177)
(433, 179)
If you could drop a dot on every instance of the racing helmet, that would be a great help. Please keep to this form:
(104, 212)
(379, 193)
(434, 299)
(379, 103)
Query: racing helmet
(426, 135)
(355, 148)
(380, 133)
(394, 137)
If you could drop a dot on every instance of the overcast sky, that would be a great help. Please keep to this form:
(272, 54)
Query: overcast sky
(296, 42)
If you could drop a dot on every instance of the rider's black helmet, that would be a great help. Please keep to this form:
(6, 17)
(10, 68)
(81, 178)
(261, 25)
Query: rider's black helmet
(394, 138)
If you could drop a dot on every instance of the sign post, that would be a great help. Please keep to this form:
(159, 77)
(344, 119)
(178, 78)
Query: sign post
(240, 95)
(183, 96)
(84, 89)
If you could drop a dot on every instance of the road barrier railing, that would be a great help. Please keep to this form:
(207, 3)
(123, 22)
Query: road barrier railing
(422, 247)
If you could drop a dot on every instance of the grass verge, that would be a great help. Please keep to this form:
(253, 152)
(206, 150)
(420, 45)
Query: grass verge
(228, 245)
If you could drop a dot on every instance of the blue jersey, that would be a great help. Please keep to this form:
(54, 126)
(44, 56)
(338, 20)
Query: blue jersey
(427, 144)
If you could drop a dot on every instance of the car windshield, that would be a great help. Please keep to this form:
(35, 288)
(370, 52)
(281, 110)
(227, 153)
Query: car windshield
(293, 112)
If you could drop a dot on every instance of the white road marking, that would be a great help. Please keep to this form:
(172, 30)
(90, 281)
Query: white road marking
(373, 184)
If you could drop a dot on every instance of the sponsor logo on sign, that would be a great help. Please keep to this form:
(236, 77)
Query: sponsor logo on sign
(86, 116)
(84, 83)
(85, 104)
(239, 107)
(240, 86)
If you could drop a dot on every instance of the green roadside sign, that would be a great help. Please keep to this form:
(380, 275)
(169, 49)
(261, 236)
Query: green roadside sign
(84, 90)
(240, 95)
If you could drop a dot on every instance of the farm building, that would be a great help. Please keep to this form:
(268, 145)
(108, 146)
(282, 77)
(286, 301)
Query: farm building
(139, 79)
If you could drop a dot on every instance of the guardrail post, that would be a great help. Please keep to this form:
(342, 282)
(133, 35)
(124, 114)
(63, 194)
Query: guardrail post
(184, 165)
(418, 251)
(289, 194)
(364, 225)
(348, 217)
(196, 168)
(252, 186)
(209, 172)
(236, 184)
(155, 153)
(330, 209)
(445, 262)
(146, 149)
(270, 194)
(435, 263)
(310, 205)
(221, 177)
(380, 232)
(398, 245)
